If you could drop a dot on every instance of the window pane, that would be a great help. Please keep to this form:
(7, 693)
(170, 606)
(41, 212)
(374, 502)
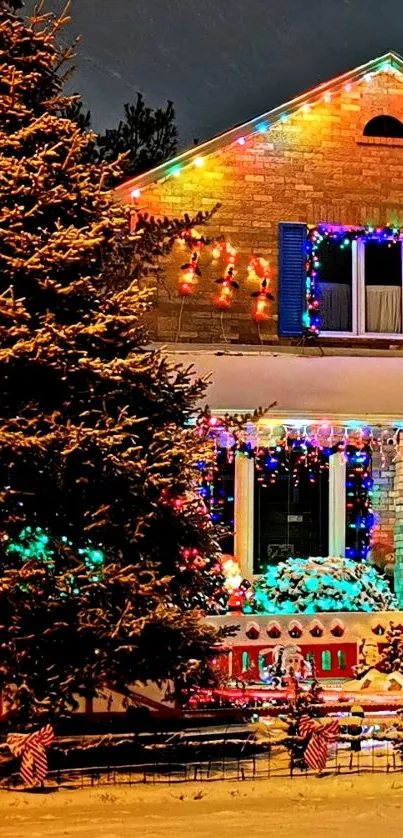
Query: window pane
(291, 518)
(262, 664)
(245, 661)
(341, 659)
(383, 287)
(326, 661)
(335, 285)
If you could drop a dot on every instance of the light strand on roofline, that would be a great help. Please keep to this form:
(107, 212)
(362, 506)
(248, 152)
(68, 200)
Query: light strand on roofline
(175, 170)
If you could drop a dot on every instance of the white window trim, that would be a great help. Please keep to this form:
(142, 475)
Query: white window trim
(358, 301)
(244, 523)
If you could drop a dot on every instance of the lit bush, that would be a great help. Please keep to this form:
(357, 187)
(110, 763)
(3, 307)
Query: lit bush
(308, 586)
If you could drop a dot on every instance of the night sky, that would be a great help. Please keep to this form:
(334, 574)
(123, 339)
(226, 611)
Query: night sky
(220, 61)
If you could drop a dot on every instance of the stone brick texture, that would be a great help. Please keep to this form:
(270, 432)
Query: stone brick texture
(316, 167)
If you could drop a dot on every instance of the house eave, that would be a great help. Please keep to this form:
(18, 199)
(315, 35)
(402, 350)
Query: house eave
(389, 62)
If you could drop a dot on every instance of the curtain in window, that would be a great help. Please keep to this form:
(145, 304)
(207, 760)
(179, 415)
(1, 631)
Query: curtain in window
(335, 307)
(384, 309)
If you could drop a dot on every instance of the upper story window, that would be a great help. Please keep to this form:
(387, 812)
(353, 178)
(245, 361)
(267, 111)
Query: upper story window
(360, 287)
(339, 281)
(384, 126)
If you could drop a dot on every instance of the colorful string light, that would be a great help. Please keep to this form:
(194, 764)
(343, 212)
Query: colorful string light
(359, 514)
(343, 237)
(301, 104)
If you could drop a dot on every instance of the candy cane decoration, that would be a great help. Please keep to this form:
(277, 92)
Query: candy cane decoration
(227, 282)
(261, 304)
(259, 269)
(322, 735)
(31, 747)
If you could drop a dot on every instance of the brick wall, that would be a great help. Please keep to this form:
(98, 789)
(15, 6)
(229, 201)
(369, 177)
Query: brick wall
(316, 167)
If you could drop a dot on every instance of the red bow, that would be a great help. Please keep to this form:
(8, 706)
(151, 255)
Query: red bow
(32, 748)
(322, 735)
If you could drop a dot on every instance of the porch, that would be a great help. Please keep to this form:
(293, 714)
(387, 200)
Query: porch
(324, 474)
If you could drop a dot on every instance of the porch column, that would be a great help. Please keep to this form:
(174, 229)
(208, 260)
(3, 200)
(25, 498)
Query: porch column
(243, 513)
(337, 505)
(399, 519)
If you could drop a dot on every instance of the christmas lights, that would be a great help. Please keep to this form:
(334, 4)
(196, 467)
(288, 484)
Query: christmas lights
(309, 586)
(359, 514)
(321, 95)
(37, 544)
(227, 282)
(217, 489)
(343, 236)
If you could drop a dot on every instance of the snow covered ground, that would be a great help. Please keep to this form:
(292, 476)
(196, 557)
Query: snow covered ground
(368, 806)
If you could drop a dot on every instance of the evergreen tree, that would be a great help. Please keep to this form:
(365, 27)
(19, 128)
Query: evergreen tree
(392, 652)
(145, 137)
(107, 554)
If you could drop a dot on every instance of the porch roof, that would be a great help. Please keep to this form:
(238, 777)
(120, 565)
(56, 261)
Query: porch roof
(304, 386)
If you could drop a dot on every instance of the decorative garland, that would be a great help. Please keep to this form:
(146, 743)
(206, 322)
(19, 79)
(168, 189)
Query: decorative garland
(343, 236)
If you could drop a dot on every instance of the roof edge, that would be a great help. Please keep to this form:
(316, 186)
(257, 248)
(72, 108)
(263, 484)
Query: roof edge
(389, 61)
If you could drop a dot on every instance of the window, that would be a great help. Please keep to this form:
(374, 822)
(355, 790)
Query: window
(336, 286)
(291, 509)
(341, 659)
(262, 663)
(360, 287)
(383, 126)
(245, 661)
(326, 660)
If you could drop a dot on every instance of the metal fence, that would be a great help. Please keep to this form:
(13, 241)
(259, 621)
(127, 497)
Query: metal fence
(375, 757)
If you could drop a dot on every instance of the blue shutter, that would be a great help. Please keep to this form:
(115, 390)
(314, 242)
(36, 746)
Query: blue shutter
(292, 258)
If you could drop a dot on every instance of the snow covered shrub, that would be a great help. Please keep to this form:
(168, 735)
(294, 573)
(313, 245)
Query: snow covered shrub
(306, 586)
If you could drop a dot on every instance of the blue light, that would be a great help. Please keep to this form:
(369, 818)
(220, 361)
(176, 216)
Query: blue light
(262, 128)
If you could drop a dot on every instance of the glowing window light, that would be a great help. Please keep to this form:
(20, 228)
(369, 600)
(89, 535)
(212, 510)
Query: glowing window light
(241, 141)
(199, 162)
(135, 193)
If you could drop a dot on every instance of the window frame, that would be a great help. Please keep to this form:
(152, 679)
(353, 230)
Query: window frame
(358, 331)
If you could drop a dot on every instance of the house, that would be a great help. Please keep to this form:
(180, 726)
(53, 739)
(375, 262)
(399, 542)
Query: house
(311, 212)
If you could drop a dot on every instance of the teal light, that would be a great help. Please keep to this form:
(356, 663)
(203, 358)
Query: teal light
(174, 171)
(262, 128)
(37, 544)
(308, 586)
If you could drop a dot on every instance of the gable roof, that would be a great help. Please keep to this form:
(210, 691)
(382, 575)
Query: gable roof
(391, 62)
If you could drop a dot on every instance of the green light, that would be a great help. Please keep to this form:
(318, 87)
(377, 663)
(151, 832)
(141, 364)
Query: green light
(38, 545)
(174, 171)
